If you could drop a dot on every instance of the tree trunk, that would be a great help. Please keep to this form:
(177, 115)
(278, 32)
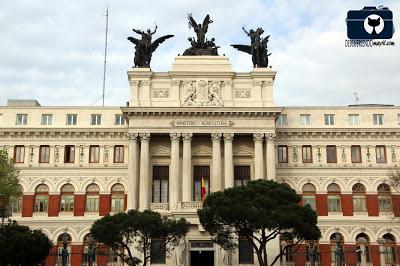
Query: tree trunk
(261, 261)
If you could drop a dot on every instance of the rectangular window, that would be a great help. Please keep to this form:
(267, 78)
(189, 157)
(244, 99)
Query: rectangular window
(353, 119)
(1, 119)
(307, 154)
(310, 200)
(71, 119)
(47, 119)
(329, 119)
(157, 251)
(44, 154)
(95, 120)
(16, 204)
(69, 155)
(67, 203)
(41, 203)
(359, 203)
(334, 203)
(305, 119)
(378, 119)
(385, 203)
(241, 174)
(119, 120)
(92, 203)
(199, 173)
(19, 154)
(246, 254)
(22, 119)
(355, 154)
(398, 119)
(380, 153)
(331, 154)
(160, 184)
(282, 120)
(118, 154)
(94, 154)
(282, 154)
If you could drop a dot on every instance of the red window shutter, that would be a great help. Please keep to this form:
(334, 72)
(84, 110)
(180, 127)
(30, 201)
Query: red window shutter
(322, 204)
(347, 204)
(54, 205)
(372, 205)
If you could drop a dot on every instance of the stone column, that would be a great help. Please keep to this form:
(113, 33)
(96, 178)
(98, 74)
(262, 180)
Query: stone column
(174, 172)
(216, 162)
(362, 242)
(258, 155)
(133, 177)
(381, 243)
(187, 178)
(144, 182)
(270, 155)
(228, 162)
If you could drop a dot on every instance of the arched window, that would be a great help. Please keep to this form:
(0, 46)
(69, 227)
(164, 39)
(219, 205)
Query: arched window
(337, 245)
(363, 239)
(67, 198)
(63, 240)
(92, 198)
(334, 202)
(309, 196)
(16, 203)
(117, 198)
(389, 249)
(384, 198)
(88, 243)
(312, 250)
(41, 198)
(359, 204)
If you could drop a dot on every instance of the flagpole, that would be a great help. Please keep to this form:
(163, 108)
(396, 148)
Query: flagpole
(105, 58)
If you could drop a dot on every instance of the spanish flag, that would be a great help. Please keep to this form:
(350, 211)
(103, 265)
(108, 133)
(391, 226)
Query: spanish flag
(203, 189)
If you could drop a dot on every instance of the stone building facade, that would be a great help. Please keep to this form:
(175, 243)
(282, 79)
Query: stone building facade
(199, 121)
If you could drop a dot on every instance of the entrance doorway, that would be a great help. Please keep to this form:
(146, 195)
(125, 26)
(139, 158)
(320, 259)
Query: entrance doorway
(201, 258)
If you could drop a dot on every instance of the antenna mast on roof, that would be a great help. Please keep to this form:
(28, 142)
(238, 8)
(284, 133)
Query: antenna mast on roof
(105, 58)
(356, 96)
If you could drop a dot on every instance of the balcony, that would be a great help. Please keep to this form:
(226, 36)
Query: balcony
(191, 205)
(159, 207)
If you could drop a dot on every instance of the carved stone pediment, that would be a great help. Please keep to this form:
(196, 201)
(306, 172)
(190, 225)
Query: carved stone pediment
(202, 93)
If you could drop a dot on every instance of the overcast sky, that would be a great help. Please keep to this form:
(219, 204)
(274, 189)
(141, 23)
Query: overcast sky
(53, 51)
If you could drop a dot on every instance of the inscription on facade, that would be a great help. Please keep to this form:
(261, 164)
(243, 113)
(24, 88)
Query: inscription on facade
(201, 123)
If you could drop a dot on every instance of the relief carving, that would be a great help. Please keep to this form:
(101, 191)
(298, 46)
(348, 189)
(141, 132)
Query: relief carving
(243, 93)
(160, 93)
(202, 93)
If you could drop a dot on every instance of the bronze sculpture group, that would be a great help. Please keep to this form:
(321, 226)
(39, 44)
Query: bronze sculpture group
(144, 47)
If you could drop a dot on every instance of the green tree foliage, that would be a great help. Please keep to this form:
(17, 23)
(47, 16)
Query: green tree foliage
(21, 246)
(260, 211)
(9, 183)
(135, 230)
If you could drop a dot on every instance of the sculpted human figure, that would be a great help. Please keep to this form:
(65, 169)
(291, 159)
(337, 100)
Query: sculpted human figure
(144, 48)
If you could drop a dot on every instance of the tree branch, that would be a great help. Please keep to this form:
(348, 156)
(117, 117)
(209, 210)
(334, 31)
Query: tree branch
(286, 248)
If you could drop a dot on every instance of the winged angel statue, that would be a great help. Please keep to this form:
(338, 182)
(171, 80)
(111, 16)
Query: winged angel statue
(257, 48)
(201, 46)
(144, 48)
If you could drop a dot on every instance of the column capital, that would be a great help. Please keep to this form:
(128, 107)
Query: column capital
(270, 137)
(216, 136)
(175, 136)
(228, 136)
(133, 136)
(187, 136)
(144, 136)
(258, 137)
